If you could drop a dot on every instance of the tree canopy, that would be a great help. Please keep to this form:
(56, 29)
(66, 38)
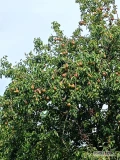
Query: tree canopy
(52, 108)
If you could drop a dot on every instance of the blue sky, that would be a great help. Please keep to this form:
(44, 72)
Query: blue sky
(23, 20)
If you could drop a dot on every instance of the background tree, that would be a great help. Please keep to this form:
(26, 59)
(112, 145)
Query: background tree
(52, 109)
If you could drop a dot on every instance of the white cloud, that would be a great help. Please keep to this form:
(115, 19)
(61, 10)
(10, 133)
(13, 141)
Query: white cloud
(104, 107)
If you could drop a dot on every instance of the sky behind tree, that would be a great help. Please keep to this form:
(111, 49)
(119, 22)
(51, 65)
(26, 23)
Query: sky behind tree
(23, 20)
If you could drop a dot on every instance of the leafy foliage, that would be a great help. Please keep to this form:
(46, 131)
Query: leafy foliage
(52, 109)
